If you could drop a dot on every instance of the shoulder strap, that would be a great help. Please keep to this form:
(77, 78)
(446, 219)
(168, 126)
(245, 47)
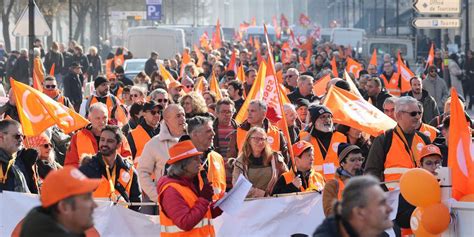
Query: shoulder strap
(425, 138)
(387, 142)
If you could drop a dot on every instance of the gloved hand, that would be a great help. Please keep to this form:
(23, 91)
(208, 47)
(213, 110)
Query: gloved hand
(207, 192)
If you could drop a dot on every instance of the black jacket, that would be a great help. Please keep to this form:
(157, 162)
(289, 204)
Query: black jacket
(16, 180)
(378, 100)
(55, 58)
(21, 70)
(149, 130)
(39, 223)
(430, 107)
(73, 87)
(95, 65)
(68, 60)
(281, 186)
(295, 95)
(82, 60)
(150, 66)
(10, 110)
(95, 168)
(330, 228)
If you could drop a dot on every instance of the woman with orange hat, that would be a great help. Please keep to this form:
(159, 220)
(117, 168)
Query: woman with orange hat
(185, 209)
(258, 163)
(430, 160)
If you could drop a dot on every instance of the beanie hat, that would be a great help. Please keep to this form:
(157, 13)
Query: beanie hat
(343, 85)
(317, 110)
(344, 149)
(99, 80)
(302, 102)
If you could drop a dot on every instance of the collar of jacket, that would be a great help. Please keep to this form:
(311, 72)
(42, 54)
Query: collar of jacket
(148, 128)
(4, 157)
(246, 125)
(119, 162)
(165, 134)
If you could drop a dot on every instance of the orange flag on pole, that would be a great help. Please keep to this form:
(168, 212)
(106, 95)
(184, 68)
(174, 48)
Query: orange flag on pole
(167, 77)
(37, 111)
(353, 111)
(256, 92)
(352, 85)
(184, 61)
(373, 60)
(232, 66)
(199, 86)
(241, 73)
(334, 67)
(214, 87)
(319, 87)
(405, 74)
(51, 71)
(36, 83)
(199, 55)
(460, 153)
(353, 66)
(430, 59)
(217, 39)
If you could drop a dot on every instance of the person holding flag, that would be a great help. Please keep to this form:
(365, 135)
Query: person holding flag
(303, 178)
(50, 88)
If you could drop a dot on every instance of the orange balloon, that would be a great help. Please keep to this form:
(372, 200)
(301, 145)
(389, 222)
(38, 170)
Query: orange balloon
(435, 218)
(416, 226)
(467, 198)
(420, 188)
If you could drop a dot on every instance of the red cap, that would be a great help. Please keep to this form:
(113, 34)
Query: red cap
(300, 147)
(429, 150)
(64, 183)
(181, 151)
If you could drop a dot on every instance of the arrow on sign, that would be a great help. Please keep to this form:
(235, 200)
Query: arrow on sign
(437, 23)
(437, 6)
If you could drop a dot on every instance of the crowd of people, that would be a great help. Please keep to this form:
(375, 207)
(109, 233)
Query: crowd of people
(169, 141)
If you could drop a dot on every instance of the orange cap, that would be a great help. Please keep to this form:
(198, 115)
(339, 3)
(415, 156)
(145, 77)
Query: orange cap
(300, 147)
(175, 84)
(64, 183)
(429, 150)
(181, 151)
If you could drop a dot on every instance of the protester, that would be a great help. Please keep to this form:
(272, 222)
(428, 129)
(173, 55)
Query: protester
(236, 92)
(250, 76)
(120, 74)
(302, 111)
(46, 160)
(301, 177)
(356, 137)
(54, 57)
(66, 206)
(119, 179)
(184, 207)
(291, 79)
(436, 87)
(50, 88)
(161, 97)
(73, 84)
(350, 165)
(194, 105)
(455, 74)
(430, 108)
(258, 163)
(150, 64)
(390, 78)
(291, 118)
(304, 90)
(95, 63)
(9, 110)
(363, 211)
(389, 107)
(176, 91)
(375, 94)
(395, 151)
(138, 95)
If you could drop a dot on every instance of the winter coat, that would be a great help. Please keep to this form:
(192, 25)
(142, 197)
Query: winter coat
(436, 88)
(55, 58)
(39, 223)
(21, 70)
(73, 87)
(455, 74)
(430, 107)
(95, 65)
(16, 181)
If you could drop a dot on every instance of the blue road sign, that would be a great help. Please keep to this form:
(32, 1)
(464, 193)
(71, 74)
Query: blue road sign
(153, 12)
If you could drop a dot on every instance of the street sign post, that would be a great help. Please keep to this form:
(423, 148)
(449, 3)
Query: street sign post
(153, 10)
(437, 6)
(436, 23)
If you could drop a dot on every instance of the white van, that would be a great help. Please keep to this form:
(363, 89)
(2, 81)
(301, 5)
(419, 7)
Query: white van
(259, 32)
(349, 36)
(390, 45)
(141, 41)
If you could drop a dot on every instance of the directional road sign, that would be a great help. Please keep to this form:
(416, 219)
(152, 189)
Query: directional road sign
(437, 6)
(436, 23)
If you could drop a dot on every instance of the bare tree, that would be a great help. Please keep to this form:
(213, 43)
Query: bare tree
(81, 9)
(6, 9)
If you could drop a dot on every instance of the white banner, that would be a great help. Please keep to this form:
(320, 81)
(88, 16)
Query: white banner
(280, 216)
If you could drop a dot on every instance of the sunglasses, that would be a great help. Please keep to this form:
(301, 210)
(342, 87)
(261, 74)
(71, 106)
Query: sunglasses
(154, 112)
(162, 100)
(17, 136)
(50, 86)
(413, 113)
(189, 86)
(47, 145)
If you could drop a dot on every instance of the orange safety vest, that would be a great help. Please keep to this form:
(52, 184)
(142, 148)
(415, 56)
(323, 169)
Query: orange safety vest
(118, 60)
(325, 165)
(140, 138)
(108, 67)
(215, 175)
(106, 187)
(429, 131)
(169, 229)
(273, 137)
(398, 159)
(341, 188)
(315, 181)
(119, 94)
(111, 104)
(392, 85)
(84, 145)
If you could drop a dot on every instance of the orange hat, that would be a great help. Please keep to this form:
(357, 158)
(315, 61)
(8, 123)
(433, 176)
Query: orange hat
(429, 150)
(175, 84)
(64, 183)
(300, 147)
(181, 151)
(37, 141)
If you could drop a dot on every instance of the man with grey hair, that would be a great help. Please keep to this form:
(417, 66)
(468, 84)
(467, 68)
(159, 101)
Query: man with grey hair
(160, 96)
(201, 133)
(291, 79)
(395, 152)
(363, 211)
(389, 107)
(304, 90)
(256, 113)
(155, 153)
(21, 69)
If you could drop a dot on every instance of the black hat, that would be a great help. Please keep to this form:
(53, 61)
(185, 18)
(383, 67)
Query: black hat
(150, 105)
(343, 85)
(302, 102)
(99, 81)
(317, 110)
(344, 149)
(75, 65)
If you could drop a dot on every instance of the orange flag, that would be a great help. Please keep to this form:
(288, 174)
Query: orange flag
(241, 73)
(255, 92)
(373, 60)
(352, 85)
(217, 39)
(430, 59)
(334, 67)
(167, 77)
(353, 66)
(38, 112)
(251, 41)
(36, 83)
(353, 111)
(232, 66)
(199, 86)
(200, 56)
(256, 42)
(460, 156)
(204, 42)
(259, 57)
(308, 46)
(184, 61)
(319, 87)
(214, 86)
(51, 71)
(285, 53)
(405, 74)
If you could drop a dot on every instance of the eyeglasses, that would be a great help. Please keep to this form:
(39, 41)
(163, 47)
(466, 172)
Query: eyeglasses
(226, 112)
(134, 95)
(259, 139)
(17, 136)
(413, 113)
(354, 159)
(162, 100)
(154, 112)
(47, 145)
(50, 86)
(189, 86)
(431, 163)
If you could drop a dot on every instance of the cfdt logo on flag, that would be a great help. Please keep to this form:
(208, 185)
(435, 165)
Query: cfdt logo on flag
(153, 10)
